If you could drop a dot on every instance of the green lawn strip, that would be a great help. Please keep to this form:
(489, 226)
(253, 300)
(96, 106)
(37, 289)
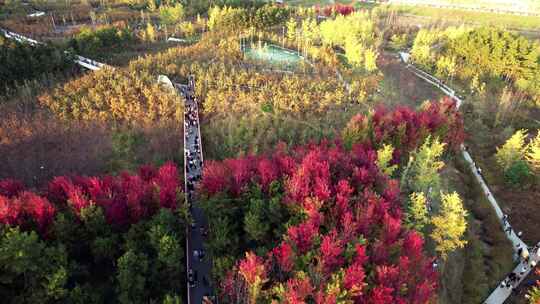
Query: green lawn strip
(482, 18)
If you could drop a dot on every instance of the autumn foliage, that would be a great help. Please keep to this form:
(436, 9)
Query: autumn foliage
(405, 129)
(350, 245)
(125, 199)
(336, 9)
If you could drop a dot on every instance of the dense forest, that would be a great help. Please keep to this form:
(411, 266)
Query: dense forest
(316, 190)
(110, 239)
(325, 223)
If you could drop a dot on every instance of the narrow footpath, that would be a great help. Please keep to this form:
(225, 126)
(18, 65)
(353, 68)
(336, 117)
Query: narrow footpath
(198, 262)
(528, 256)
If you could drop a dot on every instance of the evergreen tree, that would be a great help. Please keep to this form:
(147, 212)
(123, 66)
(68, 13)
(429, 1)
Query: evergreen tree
(255, 223)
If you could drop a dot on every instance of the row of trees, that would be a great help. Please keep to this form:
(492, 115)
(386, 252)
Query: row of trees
(356, 34)
(230, 18)
(316, 220)
(94, 239)
(480, 55)
(22, 62)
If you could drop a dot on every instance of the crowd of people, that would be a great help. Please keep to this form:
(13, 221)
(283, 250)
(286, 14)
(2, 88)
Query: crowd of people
(193, 166)
(528, 258)
(193, 154)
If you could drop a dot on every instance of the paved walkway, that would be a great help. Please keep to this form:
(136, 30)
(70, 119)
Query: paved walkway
(504, 290)
(197, 260)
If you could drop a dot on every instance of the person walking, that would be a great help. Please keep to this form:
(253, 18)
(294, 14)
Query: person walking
(525, 254)
(523, 270)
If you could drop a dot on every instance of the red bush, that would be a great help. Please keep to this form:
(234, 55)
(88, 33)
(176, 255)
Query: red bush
(285, 256)
(27, 209)
(125, 198)
(10, 187)
(330, 10)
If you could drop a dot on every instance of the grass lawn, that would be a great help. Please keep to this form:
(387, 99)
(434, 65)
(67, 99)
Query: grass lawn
(489, 19)
(329, 2)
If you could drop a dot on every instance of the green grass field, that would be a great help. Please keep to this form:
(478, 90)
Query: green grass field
(441, 14)
(489, 19)
(309, 3)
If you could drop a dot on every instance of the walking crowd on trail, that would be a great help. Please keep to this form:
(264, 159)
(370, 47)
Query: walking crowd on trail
(198, 269)
(528, 257)
(193, 153)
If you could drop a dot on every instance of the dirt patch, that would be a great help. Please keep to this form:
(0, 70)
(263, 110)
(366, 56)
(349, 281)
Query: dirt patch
(400, 86)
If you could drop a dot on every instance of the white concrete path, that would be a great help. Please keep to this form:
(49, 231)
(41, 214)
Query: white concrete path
(502, 292)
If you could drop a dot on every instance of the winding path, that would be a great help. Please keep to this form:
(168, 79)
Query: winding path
(503, 290)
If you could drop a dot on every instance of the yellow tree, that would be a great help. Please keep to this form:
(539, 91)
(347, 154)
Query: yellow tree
(446, 67)
(417, 213)
(150, 33)
(187, 28)
(426, 166)
(354, 51)
(533, 153)
(512, 151)
(291, 29)
(370, 60)
(384, 156)
(449, 225)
